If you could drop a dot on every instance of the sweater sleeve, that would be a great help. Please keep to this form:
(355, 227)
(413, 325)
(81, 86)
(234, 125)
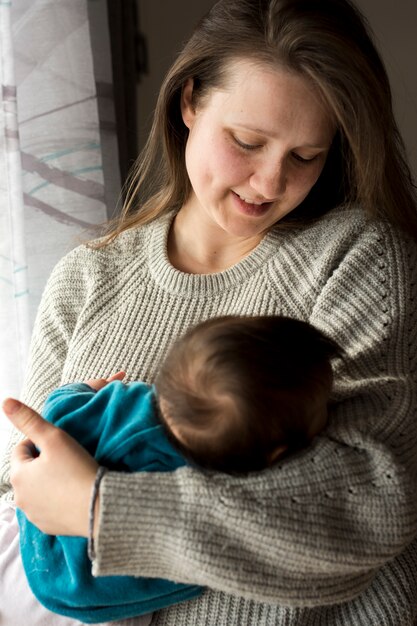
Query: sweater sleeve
(57, 316)
(316, 528)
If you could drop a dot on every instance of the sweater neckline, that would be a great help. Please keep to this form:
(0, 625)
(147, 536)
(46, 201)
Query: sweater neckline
(174, 280)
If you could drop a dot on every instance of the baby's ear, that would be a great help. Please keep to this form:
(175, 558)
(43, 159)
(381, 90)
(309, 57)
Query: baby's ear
(276, 454)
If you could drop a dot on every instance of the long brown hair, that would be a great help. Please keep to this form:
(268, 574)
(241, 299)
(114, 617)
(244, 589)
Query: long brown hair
(330, 44)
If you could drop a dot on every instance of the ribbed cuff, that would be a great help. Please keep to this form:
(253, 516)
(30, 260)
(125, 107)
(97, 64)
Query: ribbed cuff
(91, 516)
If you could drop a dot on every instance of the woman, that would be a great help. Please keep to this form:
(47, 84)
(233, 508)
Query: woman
(274, 182)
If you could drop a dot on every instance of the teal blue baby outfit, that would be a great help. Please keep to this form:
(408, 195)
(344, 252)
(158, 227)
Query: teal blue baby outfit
(118, 426)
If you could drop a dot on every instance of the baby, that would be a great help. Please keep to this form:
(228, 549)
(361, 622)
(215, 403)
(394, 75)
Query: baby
(234, 394)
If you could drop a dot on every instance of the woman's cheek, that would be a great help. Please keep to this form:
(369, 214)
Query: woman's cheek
(305, 179)
(318, 170)
(233, 163)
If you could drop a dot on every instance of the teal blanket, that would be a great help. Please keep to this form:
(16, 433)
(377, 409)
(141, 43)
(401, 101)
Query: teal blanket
(117, 425)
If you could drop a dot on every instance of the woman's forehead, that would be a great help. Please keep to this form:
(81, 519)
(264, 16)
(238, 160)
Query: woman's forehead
(265, 100)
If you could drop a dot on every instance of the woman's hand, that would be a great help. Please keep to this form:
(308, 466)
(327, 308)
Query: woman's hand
(52, 475)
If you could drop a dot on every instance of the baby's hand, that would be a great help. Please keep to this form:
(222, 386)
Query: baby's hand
(99, 383)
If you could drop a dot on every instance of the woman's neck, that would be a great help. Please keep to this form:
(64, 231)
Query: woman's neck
(197, 247)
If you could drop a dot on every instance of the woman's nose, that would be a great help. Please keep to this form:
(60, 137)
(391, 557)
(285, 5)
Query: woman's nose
(269, 180)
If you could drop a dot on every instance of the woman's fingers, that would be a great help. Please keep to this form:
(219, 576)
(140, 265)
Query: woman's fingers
(99, 383)
(118, 376)
(96, 383)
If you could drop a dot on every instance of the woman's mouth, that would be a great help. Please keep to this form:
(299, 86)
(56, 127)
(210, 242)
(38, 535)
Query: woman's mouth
(251, 207)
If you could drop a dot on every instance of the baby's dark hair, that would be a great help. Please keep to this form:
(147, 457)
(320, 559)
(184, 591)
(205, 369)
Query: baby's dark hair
(237, 389)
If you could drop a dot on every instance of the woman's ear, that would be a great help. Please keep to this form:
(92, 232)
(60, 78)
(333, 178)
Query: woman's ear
(187, 105)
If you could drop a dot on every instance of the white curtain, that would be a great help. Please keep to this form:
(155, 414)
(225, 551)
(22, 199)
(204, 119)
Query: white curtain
(53, 143)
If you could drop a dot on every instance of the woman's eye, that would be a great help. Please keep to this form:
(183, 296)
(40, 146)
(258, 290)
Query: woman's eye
(301, 159)
(245, 146)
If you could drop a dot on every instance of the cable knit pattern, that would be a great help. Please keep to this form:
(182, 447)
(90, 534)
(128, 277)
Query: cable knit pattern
(325, 538)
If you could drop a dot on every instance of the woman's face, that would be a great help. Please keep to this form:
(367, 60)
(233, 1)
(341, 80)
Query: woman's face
(255, 148)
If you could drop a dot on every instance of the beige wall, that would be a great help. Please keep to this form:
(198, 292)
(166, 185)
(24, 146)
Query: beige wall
(166, 23)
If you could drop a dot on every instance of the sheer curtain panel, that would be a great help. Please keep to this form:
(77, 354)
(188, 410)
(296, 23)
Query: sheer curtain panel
(53, 140)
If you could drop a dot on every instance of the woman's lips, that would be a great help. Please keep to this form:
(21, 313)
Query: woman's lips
(249, 208)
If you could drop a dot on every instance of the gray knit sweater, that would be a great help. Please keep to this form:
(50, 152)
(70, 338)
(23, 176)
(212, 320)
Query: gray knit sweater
(327, 537)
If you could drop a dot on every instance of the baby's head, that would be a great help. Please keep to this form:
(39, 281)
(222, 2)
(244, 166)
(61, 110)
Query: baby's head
(236, 393)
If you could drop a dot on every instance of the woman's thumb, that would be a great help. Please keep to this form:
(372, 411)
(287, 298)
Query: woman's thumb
(26, 419)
